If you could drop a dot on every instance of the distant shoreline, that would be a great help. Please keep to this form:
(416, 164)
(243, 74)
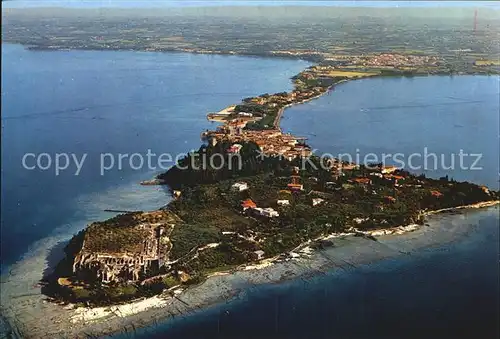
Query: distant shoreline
(36, 48)
(313, 58)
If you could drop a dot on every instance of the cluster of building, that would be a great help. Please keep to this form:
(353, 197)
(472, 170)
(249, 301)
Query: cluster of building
(385, 172)
(249, 205)
(270, 142)
(297, 53)
(297, 95)
(398, 180)
(396, 60)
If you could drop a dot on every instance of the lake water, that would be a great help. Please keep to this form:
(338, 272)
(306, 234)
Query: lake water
(126, 102)
(418, 116)
(107, 102)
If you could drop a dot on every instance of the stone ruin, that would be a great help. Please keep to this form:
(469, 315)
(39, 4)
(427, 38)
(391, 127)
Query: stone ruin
(122, 266)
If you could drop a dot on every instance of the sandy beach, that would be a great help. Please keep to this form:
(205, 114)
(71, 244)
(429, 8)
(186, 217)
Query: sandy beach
(31, 316)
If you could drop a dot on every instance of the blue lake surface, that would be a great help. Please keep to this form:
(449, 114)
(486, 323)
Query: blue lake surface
(128, 102)
(107, 102)
(417, 117)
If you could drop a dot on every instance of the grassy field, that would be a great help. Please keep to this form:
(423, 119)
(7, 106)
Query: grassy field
(349, 74)
(487, 62)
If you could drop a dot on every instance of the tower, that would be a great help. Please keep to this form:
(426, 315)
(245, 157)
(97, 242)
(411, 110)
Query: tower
(295, 184)
(295, 179)
(475, 20)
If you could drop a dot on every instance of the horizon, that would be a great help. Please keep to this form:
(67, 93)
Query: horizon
(118, 4)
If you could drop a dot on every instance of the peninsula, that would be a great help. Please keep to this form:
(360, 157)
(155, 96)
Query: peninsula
(267, 197)
(269, 204)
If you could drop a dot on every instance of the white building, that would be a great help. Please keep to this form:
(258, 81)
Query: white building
(317, 201)
(269, 212)
(236, 148)
(283, 202)
(258, 254)
(388, 169)
(245, 114)
(240, 186)
(258, 210)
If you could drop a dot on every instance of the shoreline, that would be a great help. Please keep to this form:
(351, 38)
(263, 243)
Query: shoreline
(37, 48)
(277, 119)
(313, 59)
(329, 89)
(483, 204)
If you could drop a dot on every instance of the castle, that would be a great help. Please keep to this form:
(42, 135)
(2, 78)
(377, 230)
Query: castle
(130, 247)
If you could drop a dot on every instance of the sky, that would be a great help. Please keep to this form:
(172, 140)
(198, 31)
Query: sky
(190, 3)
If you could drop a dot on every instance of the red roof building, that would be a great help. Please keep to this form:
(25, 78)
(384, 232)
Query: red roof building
(436, 194)
(295, 187)
(394, 177)
(234, 148)
(248, 204)
(363, 181)
(389, 198)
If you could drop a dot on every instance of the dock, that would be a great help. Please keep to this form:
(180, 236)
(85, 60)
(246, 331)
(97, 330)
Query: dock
(222, 115)
(152, 182)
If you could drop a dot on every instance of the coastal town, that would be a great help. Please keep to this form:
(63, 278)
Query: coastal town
(392, 60)
(256, 119)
